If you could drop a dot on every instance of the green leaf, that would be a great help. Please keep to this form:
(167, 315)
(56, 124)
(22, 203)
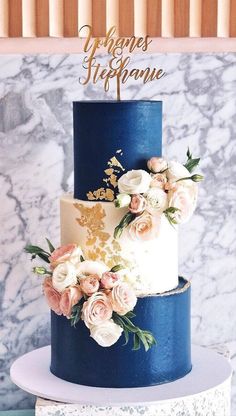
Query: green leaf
(171, 210)
(136, 341)
(189, 155)
(126, 334)
(34, 249)
(50, 246)
(129, 325)
(37, 251)
(116, 268)
(168, 213)
(126, 220)
(43, 257)
(130, 315)
(82, 258)
(143, 339)
(139, 336)
(76, 313)
(191, 164)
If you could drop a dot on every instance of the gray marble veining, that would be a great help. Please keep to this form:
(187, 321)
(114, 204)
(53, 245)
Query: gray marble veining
(199, 95)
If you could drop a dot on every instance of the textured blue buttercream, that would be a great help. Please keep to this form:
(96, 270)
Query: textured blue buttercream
(77, 358)
(103, 127)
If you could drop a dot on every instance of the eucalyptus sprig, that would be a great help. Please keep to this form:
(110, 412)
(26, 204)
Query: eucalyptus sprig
(76, 313)
(126, 220)
(191, 163)
(36, 251)
(139, 336)
(169, 215)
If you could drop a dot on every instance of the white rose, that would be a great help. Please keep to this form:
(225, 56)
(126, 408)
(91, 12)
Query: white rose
(76, 255)
(64, 275)
(176, 171)
(122, 200)
(184, 198)
(89, 267)
(134, 182)
(157, 200)
(106, 334)
(157, 164)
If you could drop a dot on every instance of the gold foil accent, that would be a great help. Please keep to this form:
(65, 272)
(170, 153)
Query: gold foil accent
(115, 162)
(111, 181)
(97, 246)
(109, 171)
(101, 194)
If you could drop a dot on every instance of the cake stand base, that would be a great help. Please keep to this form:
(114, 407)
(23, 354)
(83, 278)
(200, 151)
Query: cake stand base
(204, 391)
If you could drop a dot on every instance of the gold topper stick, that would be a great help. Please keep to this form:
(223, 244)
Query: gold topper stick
(118, 88)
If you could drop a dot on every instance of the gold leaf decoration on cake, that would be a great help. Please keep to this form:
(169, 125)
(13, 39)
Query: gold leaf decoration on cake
(101, 194)
(99, 244)
(92, 219)
(111, 180)
(115, 163)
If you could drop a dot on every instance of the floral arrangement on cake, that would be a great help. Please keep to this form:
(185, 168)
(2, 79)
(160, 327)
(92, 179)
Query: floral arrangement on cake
(88, 290)
(168, 188)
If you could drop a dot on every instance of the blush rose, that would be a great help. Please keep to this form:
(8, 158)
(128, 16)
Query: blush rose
(89, 284)
(109, 279)
(144, 227)
(137, 204)
(123, 298)
(52, 296)
(157, 164)
(97, 309)
(70, 297)
(184, 198)
(69, 252)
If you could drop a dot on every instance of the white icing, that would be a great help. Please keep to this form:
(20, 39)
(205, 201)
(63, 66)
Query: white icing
(153, 263)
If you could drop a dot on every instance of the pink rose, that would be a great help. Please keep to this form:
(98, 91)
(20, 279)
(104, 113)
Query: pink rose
(122, 298)
(97, 309)
(109, 279)
(89, 284)
(137, 204)
(144, 227)
(61, 254)
(184, 198)
(159, 180)
(70, 297)
(157, 164)
(52, 296)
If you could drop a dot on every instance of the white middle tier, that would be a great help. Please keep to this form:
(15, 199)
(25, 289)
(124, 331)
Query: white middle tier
(151, 266)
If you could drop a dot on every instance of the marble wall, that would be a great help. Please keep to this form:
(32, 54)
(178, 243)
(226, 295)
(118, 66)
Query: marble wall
(199, 95)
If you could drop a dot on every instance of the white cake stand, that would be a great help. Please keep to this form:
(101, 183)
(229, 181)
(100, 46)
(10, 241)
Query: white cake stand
(204, 391)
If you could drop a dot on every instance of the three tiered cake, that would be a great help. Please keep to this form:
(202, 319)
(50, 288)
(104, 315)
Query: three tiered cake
(120, 313)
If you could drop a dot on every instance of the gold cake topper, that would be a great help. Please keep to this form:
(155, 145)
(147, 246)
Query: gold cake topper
(119, 49)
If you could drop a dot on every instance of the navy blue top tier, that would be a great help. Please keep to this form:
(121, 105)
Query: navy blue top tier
(101, 128)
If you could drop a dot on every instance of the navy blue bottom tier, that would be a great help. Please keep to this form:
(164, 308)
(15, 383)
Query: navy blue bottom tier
(77, 358)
